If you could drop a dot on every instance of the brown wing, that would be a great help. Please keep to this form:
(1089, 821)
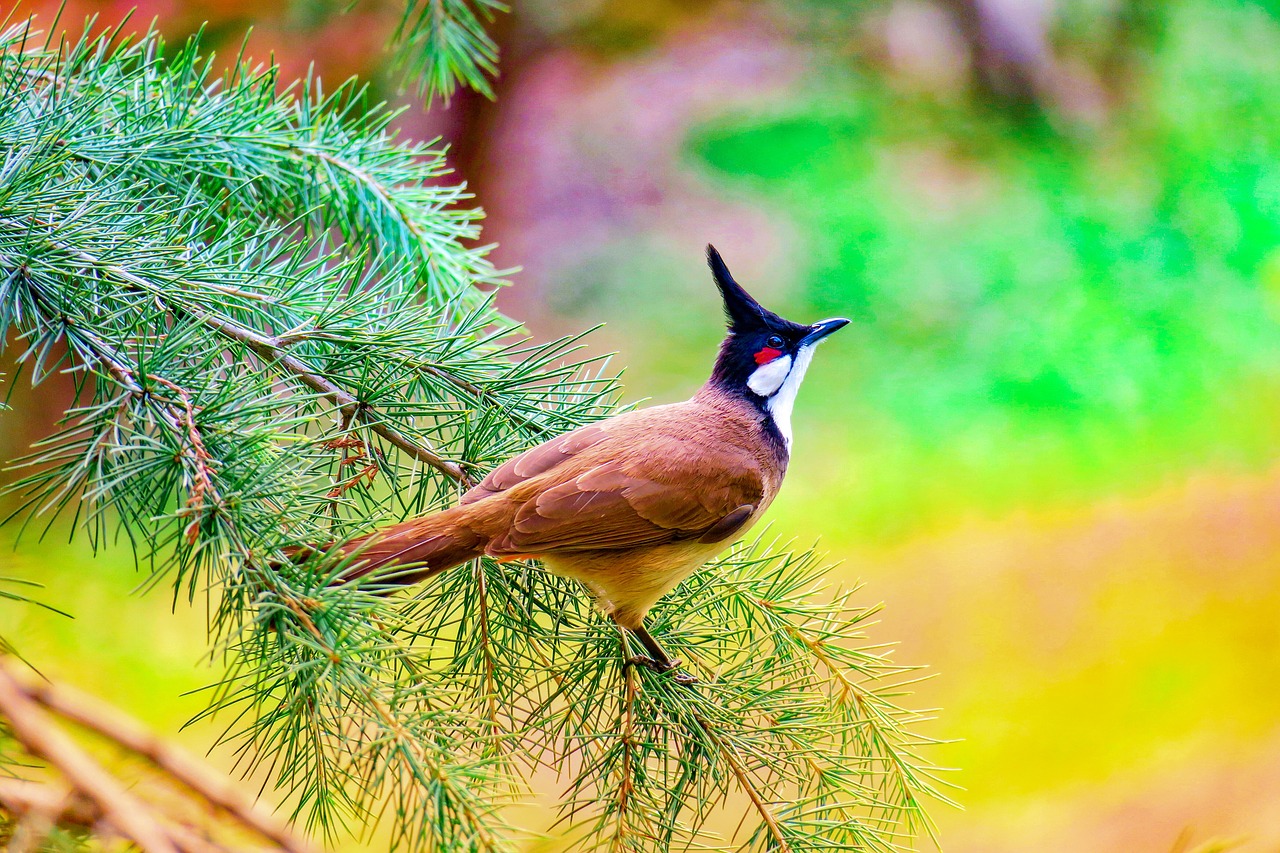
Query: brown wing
(535, 461)
(592, 490)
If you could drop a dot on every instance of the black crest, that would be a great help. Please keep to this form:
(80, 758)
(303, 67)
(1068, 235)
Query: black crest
(751, 328)
(758, 337)
(741, 309)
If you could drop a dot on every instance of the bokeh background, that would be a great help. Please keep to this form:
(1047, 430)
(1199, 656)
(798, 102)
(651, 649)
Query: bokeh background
(1048, 442)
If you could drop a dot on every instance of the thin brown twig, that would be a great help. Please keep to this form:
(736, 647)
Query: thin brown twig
(490, 691)
(344, 442)
(628, 747)
(204, 478)
(369, 471)
(745, 782)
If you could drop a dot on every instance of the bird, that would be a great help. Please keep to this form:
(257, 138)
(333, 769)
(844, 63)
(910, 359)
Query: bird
(633, 504)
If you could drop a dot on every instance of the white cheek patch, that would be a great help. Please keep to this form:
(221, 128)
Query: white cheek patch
(768, 378)
(784, 399)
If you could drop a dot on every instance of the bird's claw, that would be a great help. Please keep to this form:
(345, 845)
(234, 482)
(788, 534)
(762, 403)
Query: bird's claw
(662, 667)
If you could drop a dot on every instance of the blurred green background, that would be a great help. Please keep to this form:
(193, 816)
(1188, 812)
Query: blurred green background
(1048, 442)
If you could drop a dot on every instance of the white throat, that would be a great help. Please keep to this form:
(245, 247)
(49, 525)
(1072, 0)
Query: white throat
(778, 381)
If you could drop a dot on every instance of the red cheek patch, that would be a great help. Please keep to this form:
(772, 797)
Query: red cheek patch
(767, 355)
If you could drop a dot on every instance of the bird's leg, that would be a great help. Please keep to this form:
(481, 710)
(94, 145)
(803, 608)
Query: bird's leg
(658, 659)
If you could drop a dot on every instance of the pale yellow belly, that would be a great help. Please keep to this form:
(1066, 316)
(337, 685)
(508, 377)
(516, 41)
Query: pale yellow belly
(630, 582)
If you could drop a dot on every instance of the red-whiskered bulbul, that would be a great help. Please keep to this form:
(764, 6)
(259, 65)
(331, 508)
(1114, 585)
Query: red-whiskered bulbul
(632, 505)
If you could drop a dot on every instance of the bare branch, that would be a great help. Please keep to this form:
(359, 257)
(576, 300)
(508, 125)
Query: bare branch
(101, 718)
(38, 734)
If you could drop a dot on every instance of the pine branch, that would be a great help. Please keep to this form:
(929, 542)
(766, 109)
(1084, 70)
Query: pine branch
(324, 658)
(268, 349)
(762, 727)
(262, 149)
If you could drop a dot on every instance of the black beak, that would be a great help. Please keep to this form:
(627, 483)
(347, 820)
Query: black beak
(818, 331)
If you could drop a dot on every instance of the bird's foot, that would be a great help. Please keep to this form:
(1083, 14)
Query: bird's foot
(662, 667)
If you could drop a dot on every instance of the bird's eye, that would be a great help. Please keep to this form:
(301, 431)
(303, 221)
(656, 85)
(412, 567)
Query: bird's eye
(775, 342)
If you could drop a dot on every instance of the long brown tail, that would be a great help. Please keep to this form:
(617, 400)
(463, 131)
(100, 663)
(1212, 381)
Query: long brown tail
(423, 547)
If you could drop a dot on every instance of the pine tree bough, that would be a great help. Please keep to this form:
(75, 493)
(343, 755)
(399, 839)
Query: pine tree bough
(256, 288)
(269, 350)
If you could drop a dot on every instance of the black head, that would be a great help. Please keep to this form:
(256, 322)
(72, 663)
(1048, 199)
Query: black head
(764, 356)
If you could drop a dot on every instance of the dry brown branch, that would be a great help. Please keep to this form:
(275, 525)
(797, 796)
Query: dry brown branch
(40, 736)
(63, 807)
(217, 789)
(39, 809)
(95, 797)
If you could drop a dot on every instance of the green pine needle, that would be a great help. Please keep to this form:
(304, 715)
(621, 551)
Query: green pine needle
(443, 44)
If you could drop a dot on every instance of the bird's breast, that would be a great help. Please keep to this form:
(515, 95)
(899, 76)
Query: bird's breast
(631, 581)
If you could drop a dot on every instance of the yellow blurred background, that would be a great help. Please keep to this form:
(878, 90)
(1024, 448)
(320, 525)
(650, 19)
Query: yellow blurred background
(1047, 442)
